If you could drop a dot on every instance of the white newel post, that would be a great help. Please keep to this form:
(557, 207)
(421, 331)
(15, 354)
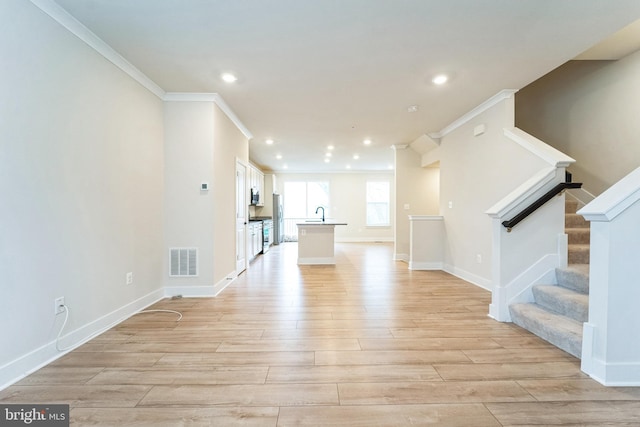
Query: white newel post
(610, 346)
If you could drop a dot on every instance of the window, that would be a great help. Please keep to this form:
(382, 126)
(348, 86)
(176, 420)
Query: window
(378, 203)
(301, 199)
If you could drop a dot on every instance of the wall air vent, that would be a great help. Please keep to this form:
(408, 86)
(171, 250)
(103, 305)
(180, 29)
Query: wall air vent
(183, 262)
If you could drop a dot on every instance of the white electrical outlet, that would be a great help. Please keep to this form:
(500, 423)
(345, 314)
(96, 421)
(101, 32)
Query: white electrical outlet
(129, 278)
(479, 259)
(59, 305)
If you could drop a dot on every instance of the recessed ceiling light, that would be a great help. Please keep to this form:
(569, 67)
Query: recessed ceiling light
(330, 147)
(278, 156)
(356, 157)
(390, 167)
(229, 78)
(348, 166)
(440, 79)
(367, 142)
(328, 154)
(269, 141)
(284, 166)
(326, 160)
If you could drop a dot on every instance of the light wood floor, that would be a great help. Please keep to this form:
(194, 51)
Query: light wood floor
(363, 343)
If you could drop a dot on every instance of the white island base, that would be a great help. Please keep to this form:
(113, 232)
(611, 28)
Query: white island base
(316, 243)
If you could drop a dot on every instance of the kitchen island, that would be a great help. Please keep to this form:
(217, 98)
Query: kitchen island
(316, 242)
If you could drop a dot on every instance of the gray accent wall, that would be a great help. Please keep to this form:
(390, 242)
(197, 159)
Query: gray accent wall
(590, 110)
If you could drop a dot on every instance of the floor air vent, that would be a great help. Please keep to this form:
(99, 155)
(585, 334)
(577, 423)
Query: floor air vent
(184, 262)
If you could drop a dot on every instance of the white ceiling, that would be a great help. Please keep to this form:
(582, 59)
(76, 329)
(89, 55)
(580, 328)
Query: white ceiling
(319, 72)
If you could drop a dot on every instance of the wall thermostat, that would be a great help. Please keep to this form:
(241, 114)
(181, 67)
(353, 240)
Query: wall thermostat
(204, 186)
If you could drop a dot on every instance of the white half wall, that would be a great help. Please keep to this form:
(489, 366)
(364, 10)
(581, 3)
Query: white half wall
(417, 193)
(477, 169)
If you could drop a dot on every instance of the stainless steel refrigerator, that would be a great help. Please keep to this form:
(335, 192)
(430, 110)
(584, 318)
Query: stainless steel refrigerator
(278, 220)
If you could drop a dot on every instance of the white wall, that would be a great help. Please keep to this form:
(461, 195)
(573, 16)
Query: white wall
(348, 203)
(202, 145)
(81, 172)
(588, 110)
(475, 173)
(418, 189)
(229, 144)
(189, 212)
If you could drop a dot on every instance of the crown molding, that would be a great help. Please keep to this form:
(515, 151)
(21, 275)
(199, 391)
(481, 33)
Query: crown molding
(495, 99)
(209, 97)
(75, 27)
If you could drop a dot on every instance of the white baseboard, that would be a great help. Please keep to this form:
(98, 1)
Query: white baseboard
(42, 356)
(205, 291)
(317, 260)
(607, 374)
(401, 257)
(414, 265)
(469, 277)
(364, 240)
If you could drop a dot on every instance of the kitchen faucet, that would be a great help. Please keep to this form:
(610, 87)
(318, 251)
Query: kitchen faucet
(320, 207)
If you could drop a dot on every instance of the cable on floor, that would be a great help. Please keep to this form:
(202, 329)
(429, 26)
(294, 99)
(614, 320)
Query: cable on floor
(66, 318)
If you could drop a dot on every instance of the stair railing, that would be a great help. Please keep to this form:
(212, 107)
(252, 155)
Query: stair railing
(558, 189)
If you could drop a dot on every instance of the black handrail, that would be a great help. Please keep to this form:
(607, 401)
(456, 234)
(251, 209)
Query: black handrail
(538, 203)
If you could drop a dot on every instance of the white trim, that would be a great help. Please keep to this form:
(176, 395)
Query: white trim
(422, 265)
(317, 260)
(364, 239)
(615, 200)
(582, 196)
(539, 148)
(206, 291)
(331, 172)
(494, 100)
(426, 218)
(520, 288)
(469, 277)
(75, 27)
(401, 257)
(209, 97)
(522, 192)
(24, 365)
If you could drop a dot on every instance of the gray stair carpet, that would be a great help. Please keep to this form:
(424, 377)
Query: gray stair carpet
(558, 311)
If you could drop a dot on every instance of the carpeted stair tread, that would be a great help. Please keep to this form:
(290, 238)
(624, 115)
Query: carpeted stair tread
(578, 235)
(575, 277)
(570, 206)
(561, 331)
(574, 220)
(578, 253)
(562, 300)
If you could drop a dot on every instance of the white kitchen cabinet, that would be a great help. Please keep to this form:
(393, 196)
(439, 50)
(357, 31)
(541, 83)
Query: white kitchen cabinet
(256, 182)
(254, 246)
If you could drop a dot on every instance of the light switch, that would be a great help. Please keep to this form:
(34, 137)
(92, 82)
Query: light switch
(450, 205)
(479, 130)
(406, 206)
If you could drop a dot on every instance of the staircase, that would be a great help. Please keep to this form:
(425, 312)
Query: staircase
(560, 310)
